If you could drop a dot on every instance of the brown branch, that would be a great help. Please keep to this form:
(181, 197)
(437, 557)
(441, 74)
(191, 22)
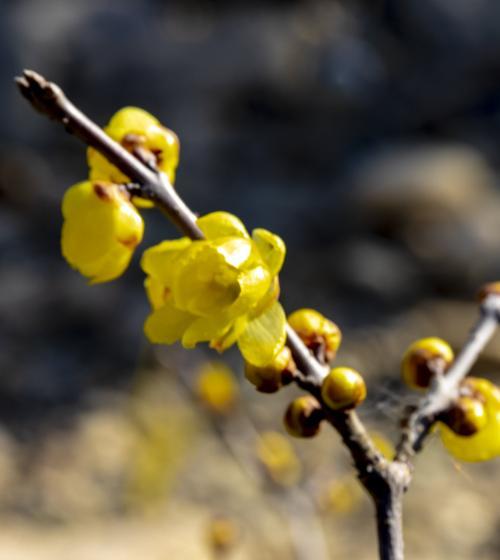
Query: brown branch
(49, 99)
(385, 481)
(445, 388)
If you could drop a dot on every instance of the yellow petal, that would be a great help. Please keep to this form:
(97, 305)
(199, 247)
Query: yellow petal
(203, 283)
(221, 224)
(204, 329)
(156, 291)
(159, 260)
(235, 250)
(483, 446)
(167, 324)
(139, 202)
(129, 120)
(100, 231)
(231, 336)
(159, 141)
(271, 248)
(164, 143)
(254, 286)
(109, 267)
(264, 336)
(100, 169)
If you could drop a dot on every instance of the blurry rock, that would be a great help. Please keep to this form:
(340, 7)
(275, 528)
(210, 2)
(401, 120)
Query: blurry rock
(438, 179)
(377, 268)
(441, 203)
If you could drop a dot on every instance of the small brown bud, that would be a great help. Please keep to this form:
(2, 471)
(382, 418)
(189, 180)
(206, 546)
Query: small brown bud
(303, 417)
(318, 333)
(271, 377)
(466, 417)
(423, 359)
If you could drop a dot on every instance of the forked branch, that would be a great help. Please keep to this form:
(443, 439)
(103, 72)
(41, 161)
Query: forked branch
(386, 481)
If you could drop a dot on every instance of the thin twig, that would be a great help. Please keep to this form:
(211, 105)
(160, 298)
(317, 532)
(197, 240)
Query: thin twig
(445, 388)
(49, 99)
(385, 481)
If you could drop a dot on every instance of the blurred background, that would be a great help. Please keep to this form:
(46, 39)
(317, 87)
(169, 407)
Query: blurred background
(366, 134)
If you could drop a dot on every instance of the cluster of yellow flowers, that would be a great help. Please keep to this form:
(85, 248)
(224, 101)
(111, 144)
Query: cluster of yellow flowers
(470, 429)
(102, 226)
(223, 289)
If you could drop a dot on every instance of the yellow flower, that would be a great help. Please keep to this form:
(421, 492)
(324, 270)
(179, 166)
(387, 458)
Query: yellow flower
(101, 229)
(141, 134)
(223, 289)
(485, 443)
(216, 387)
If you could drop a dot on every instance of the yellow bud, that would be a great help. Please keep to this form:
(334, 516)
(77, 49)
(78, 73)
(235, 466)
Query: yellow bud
(101, 229)
(142, 135)
(303, 417)
(480, 408)
(317, 332)
(343, 388)
(466, 417)
(271, 377)
(217, 387)
(423, 358)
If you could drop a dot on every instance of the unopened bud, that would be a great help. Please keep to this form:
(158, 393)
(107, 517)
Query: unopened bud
(423, 359)
(466, 417)
(271, 377)
(343, 388)
(303, 417)
(318, 333)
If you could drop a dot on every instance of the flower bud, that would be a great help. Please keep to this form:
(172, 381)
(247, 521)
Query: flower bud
(466, 417)
(303, 417)
(343, 388)
(423, 359)
(271, 377)
(477, 408)
(217, 388)
(142, 135)
(101, 229)
(318, 333)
